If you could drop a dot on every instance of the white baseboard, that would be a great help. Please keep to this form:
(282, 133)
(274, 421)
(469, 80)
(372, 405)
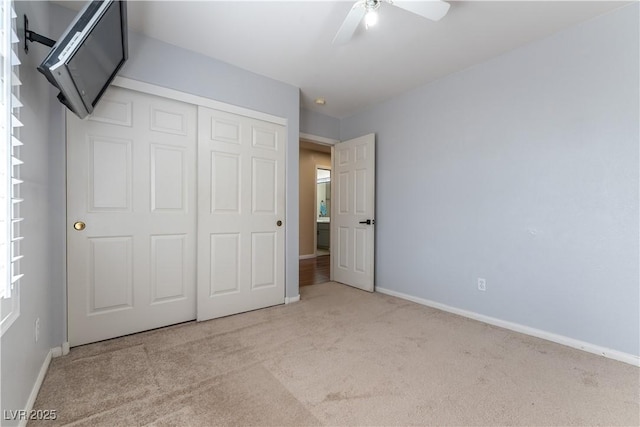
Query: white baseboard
(549, 336)
(56, 352)
(308, 256)
(36, 387)
(62, 350)
(289, 300)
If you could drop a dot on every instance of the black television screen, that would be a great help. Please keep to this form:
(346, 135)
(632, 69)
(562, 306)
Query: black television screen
(88, 56)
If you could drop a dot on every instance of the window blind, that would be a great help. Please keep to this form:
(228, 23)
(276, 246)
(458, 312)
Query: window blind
(10, 104)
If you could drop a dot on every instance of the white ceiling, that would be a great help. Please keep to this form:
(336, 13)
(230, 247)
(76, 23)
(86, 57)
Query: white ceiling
(290, 41)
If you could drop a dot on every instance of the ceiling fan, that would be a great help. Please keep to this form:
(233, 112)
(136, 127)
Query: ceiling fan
(367, 9)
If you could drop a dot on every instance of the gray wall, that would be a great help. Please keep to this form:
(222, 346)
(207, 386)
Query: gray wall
(43, 228)
(318, 124)
(524, 171)
(165, 65)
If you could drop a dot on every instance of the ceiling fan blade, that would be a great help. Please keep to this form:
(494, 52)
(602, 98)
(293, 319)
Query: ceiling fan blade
(350, 24)
(434, 10)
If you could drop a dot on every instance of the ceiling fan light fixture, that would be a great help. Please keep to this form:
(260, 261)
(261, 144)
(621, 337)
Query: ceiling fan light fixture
(365, 10)
(371, 18)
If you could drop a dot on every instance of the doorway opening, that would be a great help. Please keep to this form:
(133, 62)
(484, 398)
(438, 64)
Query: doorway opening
(323, 210)
(315, 212)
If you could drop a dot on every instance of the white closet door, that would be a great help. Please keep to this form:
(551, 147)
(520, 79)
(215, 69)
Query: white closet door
(241, 202)
(131, 181)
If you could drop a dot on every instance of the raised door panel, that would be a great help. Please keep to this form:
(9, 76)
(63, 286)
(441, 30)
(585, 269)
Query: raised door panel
(113, 111)
(225, 130)
(168, 179)
(360, 250)
(168, 268)
(266, 138)
(344, 196)
(110, 181)
(360, 192)
(343, 157)
(264, 186)
(110, 274)
(263, 260)
(343, 248)
(166, 120)
(361, 152)
(224, 183)
(225, 264)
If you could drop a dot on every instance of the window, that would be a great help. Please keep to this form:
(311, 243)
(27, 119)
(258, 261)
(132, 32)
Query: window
(9, 168)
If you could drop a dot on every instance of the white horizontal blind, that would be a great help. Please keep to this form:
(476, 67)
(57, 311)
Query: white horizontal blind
(9, 154)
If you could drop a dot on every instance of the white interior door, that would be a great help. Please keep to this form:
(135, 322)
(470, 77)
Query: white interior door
(353, 212)
(240, 214)
(130, 179)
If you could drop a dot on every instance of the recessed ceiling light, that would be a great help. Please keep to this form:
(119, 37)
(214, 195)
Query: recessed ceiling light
(320, 101)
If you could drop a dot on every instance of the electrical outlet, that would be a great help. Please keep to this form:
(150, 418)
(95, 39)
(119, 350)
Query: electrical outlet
(37, 331)
(482, 284)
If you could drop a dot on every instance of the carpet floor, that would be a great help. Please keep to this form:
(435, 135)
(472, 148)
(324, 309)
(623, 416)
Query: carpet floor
(338, 357)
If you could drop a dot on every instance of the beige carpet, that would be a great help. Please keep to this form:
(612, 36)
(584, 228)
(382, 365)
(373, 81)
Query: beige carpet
(340, 356)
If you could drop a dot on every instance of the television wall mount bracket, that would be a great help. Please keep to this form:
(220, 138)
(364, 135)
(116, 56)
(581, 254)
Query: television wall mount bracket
(30, 36)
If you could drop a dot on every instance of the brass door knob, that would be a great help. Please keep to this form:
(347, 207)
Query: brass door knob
(79, 225)
(279, 223)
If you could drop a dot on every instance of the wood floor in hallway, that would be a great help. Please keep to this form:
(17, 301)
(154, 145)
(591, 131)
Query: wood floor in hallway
(314, 270)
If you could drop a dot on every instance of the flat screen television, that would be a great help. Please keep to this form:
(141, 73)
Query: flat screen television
(86, 59)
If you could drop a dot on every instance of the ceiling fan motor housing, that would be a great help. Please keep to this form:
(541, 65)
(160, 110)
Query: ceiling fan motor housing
(371, 5)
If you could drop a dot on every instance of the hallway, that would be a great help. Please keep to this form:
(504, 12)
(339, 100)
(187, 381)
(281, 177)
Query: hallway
(314, 270)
